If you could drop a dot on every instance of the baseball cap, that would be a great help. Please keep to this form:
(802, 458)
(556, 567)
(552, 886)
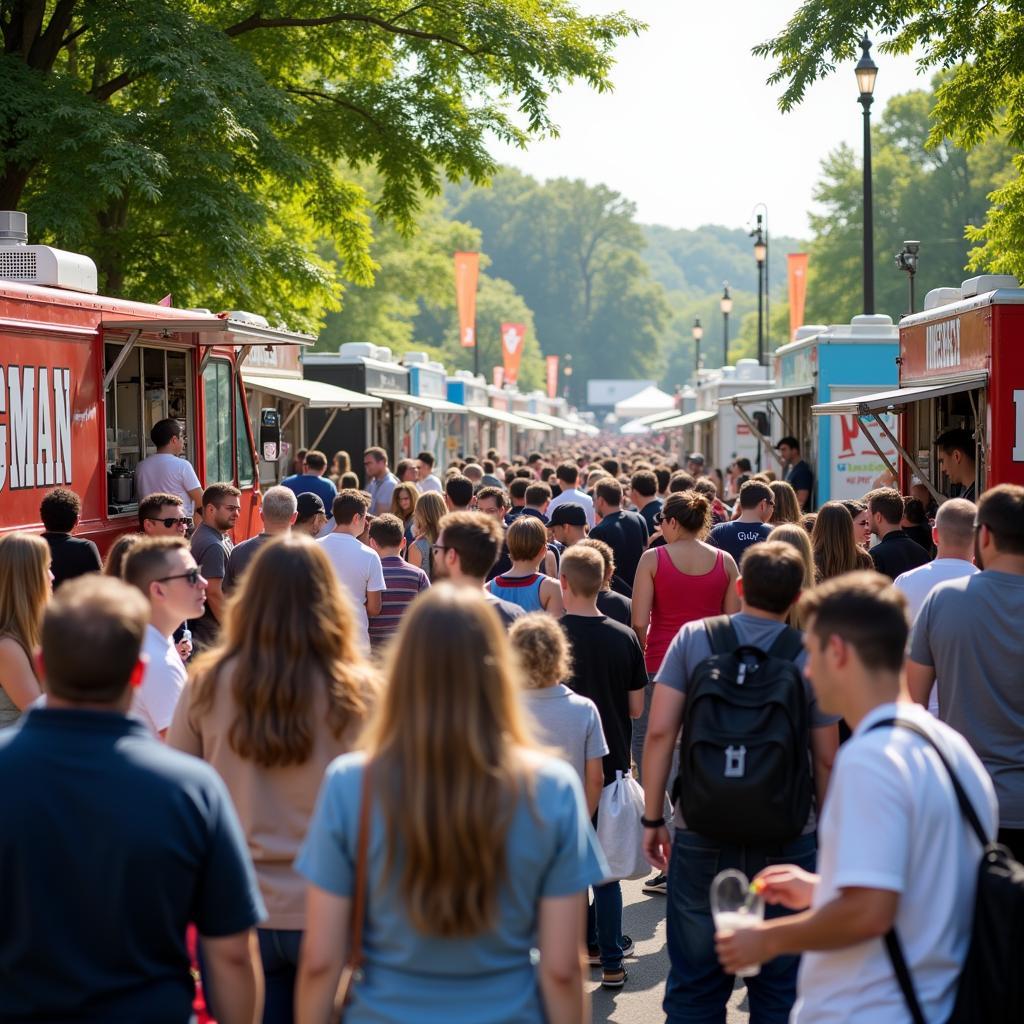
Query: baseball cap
(569, 514)
(696, 457)
(309, 505)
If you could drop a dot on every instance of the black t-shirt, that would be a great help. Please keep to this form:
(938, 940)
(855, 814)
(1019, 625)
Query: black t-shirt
(607, 665)
(71, 557)
(111, 845)
(239, 559)
(896, 553)
(616, 607)
(626, 534)
(801, 478)
(648, 512)
(736, 537)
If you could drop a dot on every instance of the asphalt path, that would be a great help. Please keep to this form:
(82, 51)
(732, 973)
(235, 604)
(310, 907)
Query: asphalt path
(643, 918)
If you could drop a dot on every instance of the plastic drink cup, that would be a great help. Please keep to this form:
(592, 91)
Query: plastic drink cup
(735, 906)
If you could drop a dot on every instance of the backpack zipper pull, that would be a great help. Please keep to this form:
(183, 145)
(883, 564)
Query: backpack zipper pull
(741, 678)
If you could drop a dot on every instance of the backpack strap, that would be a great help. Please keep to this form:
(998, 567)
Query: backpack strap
(721, 635)
(788, 645)
(902, 972)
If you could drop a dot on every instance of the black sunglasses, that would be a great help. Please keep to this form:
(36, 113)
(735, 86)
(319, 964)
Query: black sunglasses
(192, 576)
(170, 522)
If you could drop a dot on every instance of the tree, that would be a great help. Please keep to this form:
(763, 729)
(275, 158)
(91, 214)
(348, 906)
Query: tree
(981, 98)
(173, 141)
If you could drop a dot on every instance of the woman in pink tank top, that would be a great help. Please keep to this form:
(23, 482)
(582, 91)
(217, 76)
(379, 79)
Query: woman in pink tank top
(683, 581)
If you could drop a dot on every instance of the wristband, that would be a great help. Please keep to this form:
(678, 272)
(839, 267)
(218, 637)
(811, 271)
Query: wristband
(652, 822)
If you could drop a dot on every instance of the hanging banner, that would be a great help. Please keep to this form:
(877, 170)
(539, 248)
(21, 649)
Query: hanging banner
(552, 363)
(796, 263)
(513, 337)
(498, 376)
(467, 268)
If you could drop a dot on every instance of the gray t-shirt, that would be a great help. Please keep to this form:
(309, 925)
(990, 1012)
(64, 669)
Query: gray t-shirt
(691, 646)
(210, 549)
(239, 559)
(568, 722)
(971, 631)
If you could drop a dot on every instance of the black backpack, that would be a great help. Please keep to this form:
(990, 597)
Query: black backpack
(991, 985)
(744, 764)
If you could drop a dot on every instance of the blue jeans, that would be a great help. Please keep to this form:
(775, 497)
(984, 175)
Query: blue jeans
(604, 924)
(698, 990)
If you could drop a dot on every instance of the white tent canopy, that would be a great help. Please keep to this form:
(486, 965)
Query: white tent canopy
(643, 403)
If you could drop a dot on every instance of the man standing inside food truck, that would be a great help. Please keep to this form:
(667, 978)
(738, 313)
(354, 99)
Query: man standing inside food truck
(956, 459)
(799, 474)
(165, 471)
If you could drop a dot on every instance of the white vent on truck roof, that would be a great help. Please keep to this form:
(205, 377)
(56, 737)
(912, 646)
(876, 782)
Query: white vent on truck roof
(941, 297)
(41, 264)
(987, 283)
(414, 359)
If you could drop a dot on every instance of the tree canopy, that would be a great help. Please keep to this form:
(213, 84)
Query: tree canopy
(196, 147)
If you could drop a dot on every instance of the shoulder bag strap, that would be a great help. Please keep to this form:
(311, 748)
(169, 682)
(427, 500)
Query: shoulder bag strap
(721, 635)
(902, 972)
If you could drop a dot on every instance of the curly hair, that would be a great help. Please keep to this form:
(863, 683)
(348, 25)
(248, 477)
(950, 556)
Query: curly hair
(543, 650)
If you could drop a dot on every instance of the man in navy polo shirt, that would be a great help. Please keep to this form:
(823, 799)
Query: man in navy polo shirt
(112, 844)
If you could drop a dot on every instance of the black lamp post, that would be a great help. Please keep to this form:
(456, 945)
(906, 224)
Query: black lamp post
(867, 72)
(567, 373)
(760, 255)
(698, 333)
(906, 260)
(725, 305)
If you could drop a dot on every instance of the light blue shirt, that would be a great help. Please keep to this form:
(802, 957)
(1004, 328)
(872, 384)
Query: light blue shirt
(551, 850)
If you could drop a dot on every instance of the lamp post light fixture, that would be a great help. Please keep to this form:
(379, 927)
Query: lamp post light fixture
(761, 256)
(698, 333)
(725, 305)
(906, 260)
(867, 72)
(567, 373)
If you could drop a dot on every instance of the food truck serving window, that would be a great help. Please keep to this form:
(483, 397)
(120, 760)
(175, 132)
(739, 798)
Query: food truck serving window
(243, 449)
(219, 435)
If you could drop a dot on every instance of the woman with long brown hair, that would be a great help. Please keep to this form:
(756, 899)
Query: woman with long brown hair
(430, 510)
(403, 505)
(835, 549)
(479, 847)
(24, 590)
(284, 693)
(798, 537)
(787, 507)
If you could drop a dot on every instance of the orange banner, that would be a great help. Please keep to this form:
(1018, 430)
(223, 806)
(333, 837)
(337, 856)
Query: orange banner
(467, 269)
(513, 337)
(552, 362)
(796, 263)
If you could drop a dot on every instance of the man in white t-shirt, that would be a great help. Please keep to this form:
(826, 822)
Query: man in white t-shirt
(358, 566)
(165, 571)
(425, 470)
(953, 534)
(893, 848)
(568, 476)
(166, 471)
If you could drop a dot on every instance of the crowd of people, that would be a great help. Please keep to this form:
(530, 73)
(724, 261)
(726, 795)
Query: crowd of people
(360, 758)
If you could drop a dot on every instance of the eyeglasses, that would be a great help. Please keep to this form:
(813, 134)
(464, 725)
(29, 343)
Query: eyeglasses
(170, 522)
(231, 508)
(193, 577)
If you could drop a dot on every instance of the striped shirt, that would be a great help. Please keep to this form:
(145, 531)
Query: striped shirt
(404, 582)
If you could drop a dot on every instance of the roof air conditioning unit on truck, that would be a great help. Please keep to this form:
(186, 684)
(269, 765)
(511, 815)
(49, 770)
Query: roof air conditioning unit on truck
(41, 264)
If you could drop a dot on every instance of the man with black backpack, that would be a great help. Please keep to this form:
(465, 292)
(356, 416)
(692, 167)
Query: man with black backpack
(891, 909)
(754, 762)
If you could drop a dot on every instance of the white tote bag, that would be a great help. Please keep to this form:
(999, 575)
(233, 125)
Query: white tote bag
(619, 830)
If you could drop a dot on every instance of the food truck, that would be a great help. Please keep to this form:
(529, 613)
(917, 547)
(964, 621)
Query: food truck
(470, 392)
(84, 377)
(437, 419)
(961, 365)
(829, 364)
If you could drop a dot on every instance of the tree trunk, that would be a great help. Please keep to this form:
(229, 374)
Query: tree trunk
(12, 184)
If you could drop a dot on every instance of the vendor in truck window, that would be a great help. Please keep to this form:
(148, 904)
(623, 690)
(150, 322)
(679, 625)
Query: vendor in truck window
(798, 473)
(165, 471)
(956, 459)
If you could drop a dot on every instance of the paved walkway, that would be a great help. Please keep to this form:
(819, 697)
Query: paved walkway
(643, 918)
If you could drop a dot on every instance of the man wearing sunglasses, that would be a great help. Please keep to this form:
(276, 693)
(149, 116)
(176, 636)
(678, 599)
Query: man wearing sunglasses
(165, 571)
(163, 515)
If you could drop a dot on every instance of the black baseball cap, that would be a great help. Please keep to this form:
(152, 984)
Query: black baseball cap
(569, 514)
(309, 505)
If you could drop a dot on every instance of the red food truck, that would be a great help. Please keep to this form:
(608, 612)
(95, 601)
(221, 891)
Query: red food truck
(83, 378)
(961, 364)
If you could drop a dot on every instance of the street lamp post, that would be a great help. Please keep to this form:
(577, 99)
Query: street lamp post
(698, 333)
(725, 305)
(567, 372)
(867, 72)
(906, 260)
(760, 255)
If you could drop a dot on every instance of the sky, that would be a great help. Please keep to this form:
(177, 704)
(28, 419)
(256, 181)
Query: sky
(691, 133)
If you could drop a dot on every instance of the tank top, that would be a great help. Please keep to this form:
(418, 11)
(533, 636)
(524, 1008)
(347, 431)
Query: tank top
(521, 590)
(680, 598)
(9, 711)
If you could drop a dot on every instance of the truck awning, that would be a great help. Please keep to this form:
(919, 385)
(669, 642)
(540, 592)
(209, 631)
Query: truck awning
(511, 418)
(421, 402)
(220, 330)
(688, 419)
(555, 421)
(767, 395)
(312, 394)
(883, 401)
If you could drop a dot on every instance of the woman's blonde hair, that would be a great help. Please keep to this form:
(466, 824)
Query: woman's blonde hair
(430, 510)
(24, 587)
(835, 548)
(796, 535)
(414, 495)
(543, 650)
(446, 749)
(787, 508)
(290, 629)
